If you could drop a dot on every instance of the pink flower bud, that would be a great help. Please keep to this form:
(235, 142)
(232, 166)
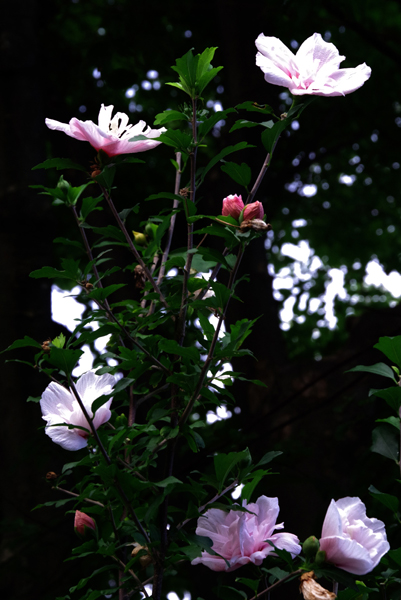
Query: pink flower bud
(232, 206)
(253, 211)
(83, 524)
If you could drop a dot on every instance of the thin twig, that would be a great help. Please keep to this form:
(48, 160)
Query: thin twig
(89, 419)
(212, 277)
(172, 220)
(189, 407)
(108, 460)
(279, 582)
(56, 487)
(131, 572)
(181, 322)
(155, 361)
(216, 497)
(134, 251)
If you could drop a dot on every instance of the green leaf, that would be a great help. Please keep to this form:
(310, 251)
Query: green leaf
(59, 164)
(385, 442)
(377, 369)
(227, 592)
(270, 136)
(387, 499)
(239, 173)
(89, 205)
(169, 115)
(106, 177)
(101, 294)
(249, 487)
(394, 421)
(173, 347)
(168, 481)
(264, 109)
(222, 154)
(177, 139)
(209, 123)
(391, 347)
(71, 271)
(64, 360)
(391, 395)
(26, 341)
(225, 463)
(243, 123)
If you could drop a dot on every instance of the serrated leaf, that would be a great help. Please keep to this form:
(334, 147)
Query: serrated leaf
(169, 115)
(64, 360)
(26, 341)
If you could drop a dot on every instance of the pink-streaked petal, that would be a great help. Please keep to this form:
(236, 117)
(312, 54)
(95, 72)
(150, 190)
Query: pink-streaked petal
(347, 554)
(332, 524)
(89, 132)
(274, 74)
(347, 81)
(68, 439)
(57, 126)
(215, 563)
(115, 147)
(286, 541)
(53, 395)
(102, 414)
(314, 53)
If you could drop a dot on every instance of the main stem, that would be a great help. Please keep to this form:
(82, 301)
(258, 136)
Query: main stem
(180, 331)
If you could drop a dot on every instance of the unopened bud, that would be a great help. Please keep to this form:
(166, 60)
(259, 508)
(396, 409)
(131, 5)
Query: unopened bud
(63, 184)
(320, 557)
(311, 590)
(84, 525)
(51, 475)
(253, 211)
(150, 230)
(140, 238)
(232, 206)
(310, 546)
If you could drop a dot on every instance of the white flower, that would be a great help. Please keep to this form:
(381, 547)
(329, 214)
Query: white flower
(112, 135)
(314, 69)
(351, 540)
(59, 405)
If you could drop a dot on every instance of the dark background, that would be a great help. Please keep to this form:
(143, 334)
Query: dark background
(320, 417)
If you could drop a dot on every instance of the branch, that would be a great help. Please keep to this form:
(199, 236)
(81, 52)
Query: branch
(56, 487)
(131, 572)
(216, 497)
(132, 247)
(209, 358)
(279, 582)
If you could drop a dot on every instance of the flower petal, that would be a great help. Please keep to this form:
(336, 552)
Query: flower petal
(54, 395)
(69, 439)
